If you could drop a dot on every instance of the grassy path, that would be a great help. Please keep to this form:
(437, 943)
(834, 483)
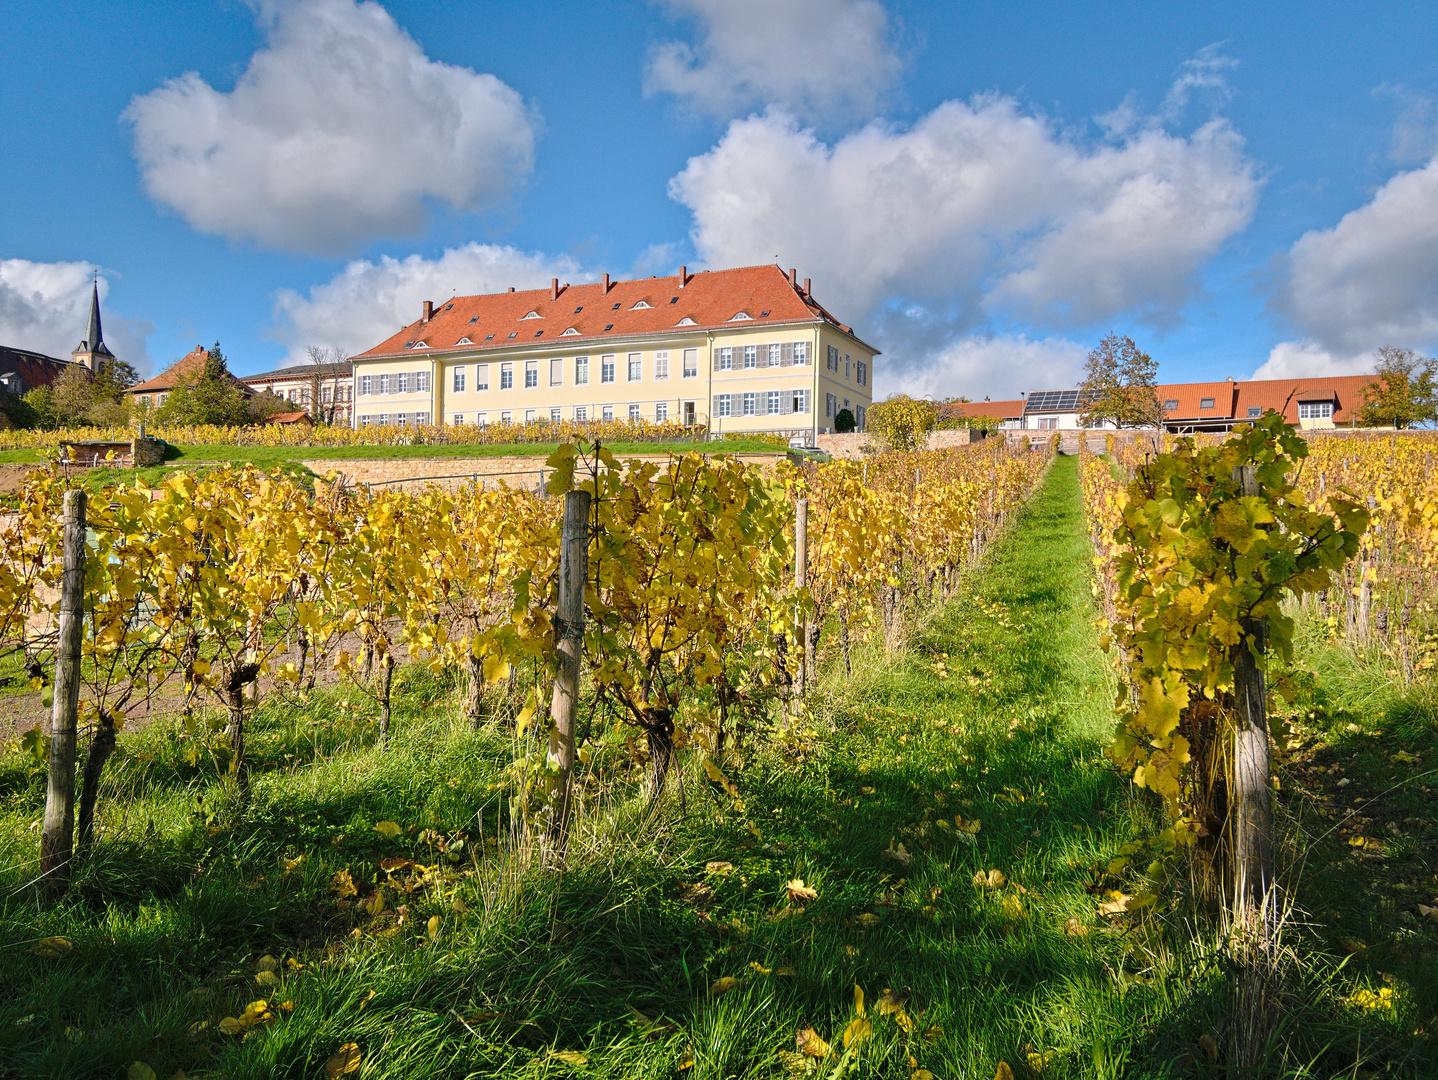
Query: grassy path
(676, 945)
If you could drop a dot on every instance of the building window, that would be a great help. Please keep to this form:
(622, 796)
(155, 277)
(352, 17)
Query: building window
(1170, 405)
(774, 396)
(1315, 410)
(581, 413)
(833, 358)
(531, 374)
(862, 371)
(636, 366)
(1205, 403)
(726, 358)
(776, 355)
(581, 371)
(801, 401)
(1255, 411)
(421, 382)
(459, 379)
(801, 352)
(529, 416)
(606, 369)
(691, 363)
(422, 419)
(661, 364)
(556, 372)
(326, 395)
(481, 419)
(384, 384)
(634, 414)
(721, 405)
(506, 376)
(607, 413)
(481, 376)
(506, 417)
(846, 365)
(554, 416)
(401, 384)
(750, 401)
(751, 357)
(382, 419)
(831, 405)
(458, 419)
(1048, 423)
(661, 412)
(860, 418)
(365, 388)
(402, 419)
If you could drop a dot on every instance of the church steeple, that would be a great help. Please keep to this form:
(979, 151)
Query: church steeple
(93, 349)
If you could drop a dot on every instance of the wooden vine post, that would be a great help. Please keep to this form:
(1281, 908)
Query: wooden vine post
(57, 838)
(569, 653)
(1252, 789)
(801, 579)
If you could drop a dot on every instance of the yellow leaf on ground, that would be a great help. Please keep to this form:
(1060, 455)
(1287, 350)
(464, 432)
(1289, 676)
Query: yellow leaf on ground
(140, 1071)
(230, 1026)
(51, 948)
(785, 971)
(754, 965)
(858, 1000)
(342, 884)
(891, 1001)
(921, 1074)
(431, 928)
(858, 1030)
(267, 978)
(388, 829)
(571, 1057)
(799, 893)
(724, 985)
(267, 963)
(344, 1061)
(1076, 927)
(374, 902)
(809, 1043)
(1004, 1072)
(718, 867)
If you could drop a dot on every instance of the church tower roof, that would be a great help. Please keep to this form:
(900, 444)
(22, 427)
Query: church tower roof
(94, 338)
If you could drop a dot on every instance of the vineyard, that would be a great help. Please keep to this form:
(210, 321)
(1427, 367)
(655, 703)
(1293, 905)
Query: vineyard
(710, 770)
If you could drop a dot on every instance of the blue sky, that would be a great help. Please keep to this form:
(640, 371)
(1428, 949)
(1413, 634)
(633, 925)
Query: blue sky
(983, 189)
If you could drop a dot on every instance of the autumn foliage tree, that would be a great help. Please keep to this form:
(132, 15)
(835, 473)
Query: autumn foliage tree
(1119, 386)
(1404, 393)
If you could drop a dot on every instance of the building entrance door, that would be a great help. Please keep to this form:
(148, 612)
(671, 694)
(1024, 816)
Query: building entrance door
(689, 414)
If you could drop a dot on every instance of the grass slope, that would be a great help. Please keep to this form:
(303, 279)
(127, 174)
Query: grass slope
(672, 942)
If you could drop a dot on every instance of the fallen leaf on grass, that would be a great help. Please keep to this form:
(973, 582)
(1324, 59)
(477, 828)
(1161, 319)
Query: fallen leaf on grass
(891, 1001)
(1403, 757)
(140, 1071)
(51, 948)
(718, 867)
(342, 884)
(267, 978)
(1076, 927)
(1209, 1045)
(993, 879)
(858, 1030)
(868, 918)
(754, 965)
(292, 865)
(799, 893)
(1004, 1072)
(344, 1061)
(724, 985)
(366, 999)
(899, 854)
(570, 1057)
(388, 829)
(1117, 906)
(267, 963)
(809, 1044)
(921, 1074)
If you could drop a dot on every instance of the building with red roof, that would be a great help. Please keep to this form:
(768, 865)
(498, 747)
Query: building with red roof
(190, 366)
(742, 350)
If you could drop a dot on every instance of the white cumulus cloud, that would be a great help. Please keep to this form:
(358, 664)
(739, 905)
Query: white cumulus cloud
(1000, 367)
(367, 302)
(979, 207)
(45, 308)
(1310, 360)
(1372, 279)
(339, 131)
(820, 59)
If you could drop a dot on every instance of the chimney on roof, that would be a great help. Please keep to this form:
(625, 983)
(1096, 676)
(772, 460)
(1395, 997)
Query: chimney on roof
(428, 311)
(683, 276)
(793, 278)
(806, 286)
(554, 288)
(606, 286)
(511, 288)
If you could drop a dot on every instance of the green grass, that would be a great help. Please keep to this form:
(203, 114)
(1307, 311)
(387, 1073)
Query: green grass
(997, 710)
(272, 455)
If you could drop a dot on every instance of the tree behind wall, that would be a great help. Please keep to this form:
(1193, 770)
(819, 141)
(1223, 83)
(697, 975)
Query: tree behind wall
(208, 396)
(902, 421)
(1404, 394)
(1120, 386)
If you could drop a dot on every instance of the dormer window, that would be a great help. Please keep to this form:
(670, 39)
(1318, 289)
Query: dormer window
(420, 345)
(464, 341)
(686, 321)
(571, 332)
(742, 316)
(409, 344)
(763, 314)
(1205, 403)
(641, 304)
(513, 335)
(488, 337)
(579, 309)
(531, 315)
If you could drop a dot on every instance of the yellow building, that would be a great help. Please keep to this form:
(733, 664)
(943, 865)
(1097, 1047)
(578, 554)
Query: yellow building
(744, 350)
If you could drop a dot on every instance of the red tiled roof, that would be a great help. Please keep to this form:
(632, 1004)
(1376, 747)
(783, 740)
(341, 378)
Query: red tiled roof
(1345, 391)
(33, 369)
(188, 366)
(1191, 396)
(710, 298)
(300, 417)
(999, 410)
